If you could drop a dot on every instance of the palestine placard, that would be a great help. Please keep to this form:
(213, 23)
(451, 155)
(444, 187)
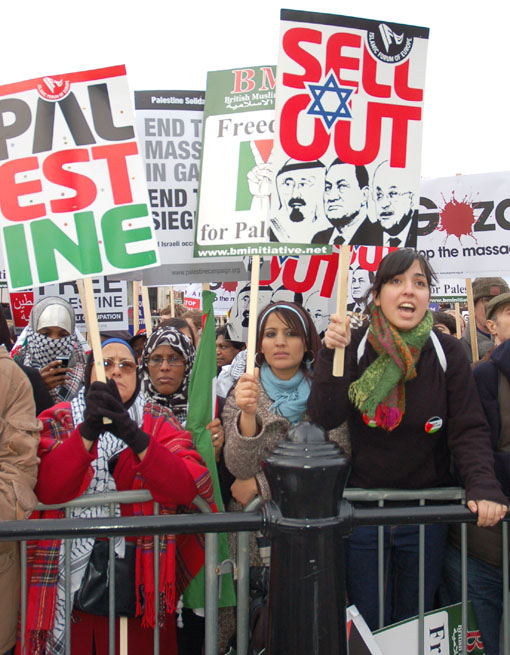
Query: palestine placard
(110, 299)
(464, 224)
(236, 166)
(73, 199)
(346, 159)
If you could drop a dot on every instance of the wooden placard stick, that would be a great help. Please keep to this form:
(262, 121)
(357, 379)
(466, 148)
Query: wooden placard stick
(472, 321)
(251, 346)
(458, 329)
(136, 312)
(81, 291)
(146, 309)
(341, 303)
(172, 302)
(95, 339)
(123, 635)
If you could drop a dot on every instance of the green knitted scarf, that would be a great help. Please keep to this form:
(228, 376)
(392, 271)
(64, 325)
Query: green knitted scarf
(379, 393)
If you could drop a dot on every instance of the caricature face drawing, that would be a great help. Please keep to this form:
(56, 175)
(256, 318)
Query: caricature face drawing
(297, 190)
(393, 198)
(344, 200)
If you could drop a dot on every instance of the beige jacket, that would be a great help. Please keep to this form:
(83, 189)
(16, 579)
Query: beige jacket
(19, 439)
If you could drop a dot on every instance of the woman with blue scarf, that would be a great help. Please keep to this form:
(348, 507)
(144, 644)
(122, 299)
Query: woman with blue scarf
(261, 408)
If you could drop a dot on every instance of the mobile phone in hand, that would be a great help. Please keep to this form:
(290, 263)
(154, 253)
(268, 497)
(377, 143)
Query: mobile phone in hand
(65, 362)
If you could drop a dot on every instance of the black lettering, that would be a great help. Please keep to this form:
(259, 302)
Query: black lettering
(481, 223)
(102, 115)
(21, 123)
(501, 220)
(427, 222)
(45, 120)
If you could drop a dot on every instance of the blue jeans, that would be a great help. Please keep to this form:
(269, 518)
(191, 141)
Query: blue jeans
(400, 570)
(485, 591)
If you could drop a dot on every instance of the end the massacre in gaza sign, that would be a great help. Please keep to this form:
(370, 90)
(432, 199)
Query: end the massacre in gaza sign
(346, 158)
(73, 197)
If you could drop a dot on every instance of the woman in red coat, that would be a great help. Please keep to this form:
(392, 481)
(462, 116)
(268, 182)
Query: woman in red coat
(144, 448)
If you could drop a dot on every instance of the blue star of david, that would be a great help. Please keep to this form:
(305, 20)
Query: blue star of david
(330, 86)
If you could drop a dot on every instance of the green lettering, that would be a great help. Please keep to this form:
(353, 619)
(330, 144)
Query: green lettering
(116, 238)
(48, 237)
(17, 254)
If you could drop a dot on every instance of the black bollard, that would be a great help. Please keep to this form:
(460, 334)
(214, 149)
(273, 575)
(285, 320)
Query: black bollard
(307, 476)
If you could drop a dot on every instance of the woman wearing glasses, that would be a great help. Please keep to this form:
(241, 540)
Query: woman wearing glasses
(165, 367)
(143, 447)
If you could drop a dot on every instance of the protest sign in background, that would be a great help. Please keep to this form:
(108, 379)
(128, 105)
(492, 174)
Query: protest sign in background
(310, 281)
(74, 198)
(235, 175)
(110, 299)
(348, 89)
(464, 224)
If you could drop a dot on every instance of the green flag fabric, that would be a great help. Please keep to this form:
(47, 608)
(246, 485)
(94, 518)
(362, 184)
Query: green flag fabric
(200, 413)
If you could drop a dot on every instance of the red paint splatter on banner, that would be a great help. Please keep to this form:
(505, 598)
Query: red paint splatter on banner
(457, 218)
(229, 286)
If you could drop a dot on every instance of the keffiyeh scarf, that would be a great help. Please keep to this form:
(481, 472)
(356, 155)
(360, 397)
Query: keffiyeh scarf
(379, 393)
(178, 401)
(38, 350)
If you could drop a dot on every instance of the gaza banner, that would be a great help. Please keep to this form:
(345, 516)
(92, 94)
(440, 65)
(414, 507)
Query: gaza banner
(73, 197)
(310, 281)
(236, 165)
(346, 158)
(464, 224)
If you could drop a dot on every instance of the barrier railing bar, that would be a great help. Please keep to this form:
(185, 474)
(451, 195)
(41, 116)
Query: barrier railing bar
(421, 585)
(111, 590)
(506, 592)
(380, 567)
(67, 585)
(156, 586)
(463, 567)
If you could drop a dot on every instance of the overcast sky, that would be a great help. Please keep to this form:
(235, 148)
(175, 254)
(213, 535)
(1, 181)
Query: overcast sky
(170, 45)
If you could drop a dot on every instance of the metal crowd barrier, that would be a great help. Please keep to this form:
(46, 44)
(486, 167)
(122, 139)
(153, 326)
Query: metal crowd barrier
(244, 523)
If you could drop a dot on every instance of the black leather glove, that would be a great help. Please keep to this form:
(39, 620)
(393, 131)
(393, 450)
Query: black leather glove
(104, 399)
(93, 424)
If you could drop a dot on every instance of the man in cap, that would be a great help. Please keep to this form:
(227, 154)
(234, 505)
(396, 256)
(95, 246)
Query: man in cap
(484, 289)
(299, 185)
(485, 545)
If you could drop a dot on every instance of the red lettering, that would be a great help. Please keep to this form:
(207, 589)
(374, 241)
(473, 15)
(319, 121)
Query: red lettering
(402, 88)
(115, 156)
(268, 81)
(372, 264)
(370, 83)
(336, 61)
(243, 80)
(291, 46)
(12, 190)
(400, 116)
(289, 274)
(85, 188)
(289, 132)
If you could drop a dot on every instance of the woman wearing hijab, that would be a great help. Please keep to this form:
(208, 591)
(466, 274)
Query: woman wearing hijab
(142, 448)
(52, 345)
(165, 367)
(410, 400)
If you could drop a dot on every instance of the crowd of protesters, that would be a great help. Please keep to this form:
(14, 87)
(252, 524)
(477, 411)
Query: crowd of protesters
(408, 413)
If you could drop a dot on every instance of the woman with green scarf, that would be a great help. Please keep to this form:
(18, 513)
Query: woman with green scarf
(410, 401)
